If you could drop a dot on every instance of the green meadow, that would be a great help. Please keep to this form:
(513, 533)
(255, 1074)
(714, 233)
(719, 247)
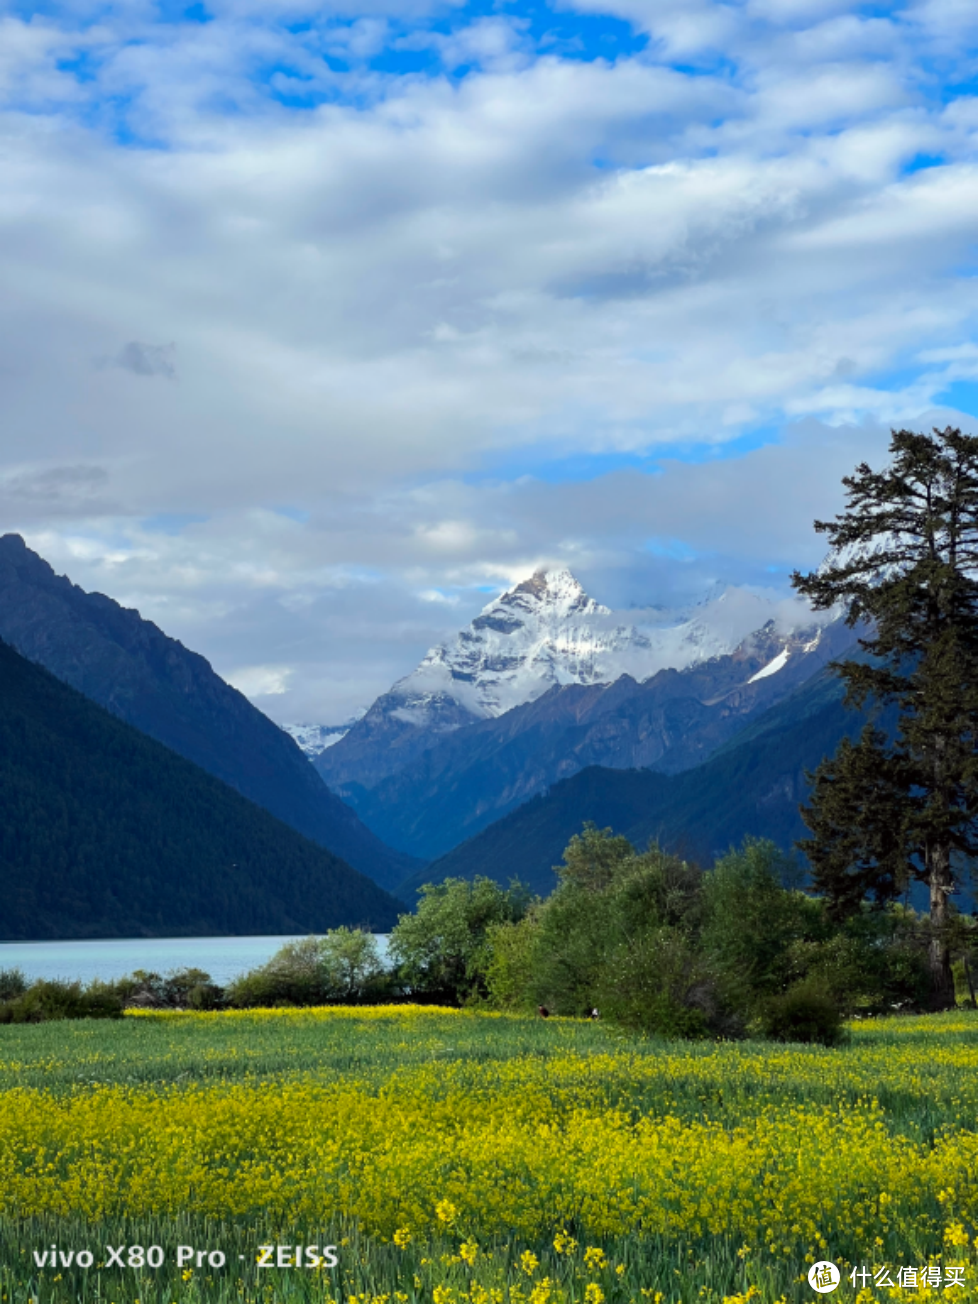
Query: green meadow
(457, 1157)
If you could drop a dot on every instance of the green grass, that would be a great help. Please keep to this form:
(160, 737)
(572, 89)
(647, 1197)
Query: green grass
(365, 1268)
(921, 1071)
(733, 1080)
(59, 1056)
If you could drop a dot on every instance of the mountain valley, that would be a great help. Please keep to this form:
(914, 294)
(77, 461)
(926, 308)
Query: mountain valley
(130, 667)
(695, 726)
(750, 787)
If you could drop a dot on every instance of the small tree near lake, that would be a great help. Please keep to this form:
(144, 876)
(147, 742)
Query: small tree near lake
(441, 950)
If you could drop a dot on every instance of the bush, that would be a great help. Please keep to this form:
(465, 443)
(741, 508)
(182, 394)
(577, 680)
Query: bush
(755, 928)
(351, 965)
(12, 983)
(180, 989)
(192, 989)
(874, 962)
(142, 989)
(254, 989)
(52, 999)
(655, 983)
(620, 934)
(49, 999)
(805, 1012)
(342, 965)
(442, 949)
(510, 957)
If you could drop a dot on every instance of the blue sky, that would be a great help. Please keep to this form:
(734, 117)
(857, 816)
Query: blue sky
(321, 322)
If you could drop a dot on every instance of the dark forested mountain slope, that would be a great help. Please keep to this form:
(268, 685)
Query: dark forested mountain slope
(132, 668)
(106, 833)
(752, 786)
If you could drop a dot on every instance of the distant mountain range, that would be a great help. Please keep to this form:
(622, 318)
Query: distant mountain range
(130, 667)
(693, 726)
(544, 633)
(751, 786)
(106, 833)
(452, 748)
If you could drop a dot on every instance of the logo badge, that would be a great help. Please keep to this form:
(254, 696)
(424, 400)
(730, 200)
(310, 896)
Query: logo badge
(823, 1277)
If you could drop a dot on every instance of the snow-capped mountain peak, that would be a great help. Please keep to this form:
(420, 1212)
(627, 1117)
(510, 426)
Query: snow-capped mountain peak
(313, 739)
(546, 632)
(554, 594)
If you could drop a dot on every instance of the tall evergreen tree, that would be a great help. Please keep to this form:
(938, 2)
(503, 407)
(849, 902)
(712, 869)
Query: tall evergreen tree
(904, 560)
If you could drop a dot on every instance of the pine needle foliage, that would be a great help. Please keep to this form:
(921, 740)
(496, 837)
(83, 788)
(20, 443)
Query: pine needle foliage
(904, 566)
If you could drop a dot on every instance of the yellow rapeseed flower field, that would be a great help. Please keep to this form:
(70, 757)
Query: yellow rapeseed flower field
(864, 1154)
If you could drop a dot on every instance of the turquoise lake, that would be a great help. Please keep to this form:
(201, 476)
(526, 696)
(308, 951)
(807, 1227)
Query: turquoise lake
(222, 957)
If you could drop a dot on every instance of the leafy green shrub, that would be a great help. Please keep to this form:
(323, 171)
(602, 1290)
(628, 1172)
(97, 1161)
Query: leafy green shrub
(873, 962)
(192, 989)
(12, 983)
(352, 966)
(442, 948)
(654, 983)
(805, 1012)
(342, 965)
(906, 976)
(620, 934)
(252, 990)
(756, 932)
(49, 999)
(142, 989)
(178, 989)
(510, 957)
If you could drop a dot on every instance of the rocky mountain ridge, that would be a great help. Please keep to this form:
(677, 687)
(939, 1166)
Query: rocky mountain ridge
(313, 739)
(544, 633)
(464, 780)
(750, 787)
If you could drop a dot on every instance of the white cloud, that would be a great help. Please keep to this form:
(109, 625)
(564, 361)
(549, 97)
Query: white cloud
(260, 681)
(379, 299)
(286, 594)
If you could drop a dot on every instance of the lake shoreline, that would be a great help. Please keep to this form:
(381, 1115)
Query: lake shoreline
(224, 956)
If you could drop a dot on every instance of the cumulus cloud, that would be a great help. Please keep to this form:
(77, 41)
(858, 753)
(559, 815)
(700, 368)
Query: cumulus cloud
(419, 260)
(352, 597)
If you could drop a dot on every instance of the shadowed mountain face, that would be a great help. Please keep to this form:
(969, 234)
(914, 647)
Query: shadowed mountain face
(464, 780)
(387, 740)
(153, 682)
(106, 833)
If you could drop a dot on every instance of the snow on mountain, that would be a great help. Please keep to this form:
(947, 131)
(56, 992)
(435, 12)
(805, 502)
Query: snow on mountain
(548, 631)
(315, 738)
(543, 632)
(778, 663)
